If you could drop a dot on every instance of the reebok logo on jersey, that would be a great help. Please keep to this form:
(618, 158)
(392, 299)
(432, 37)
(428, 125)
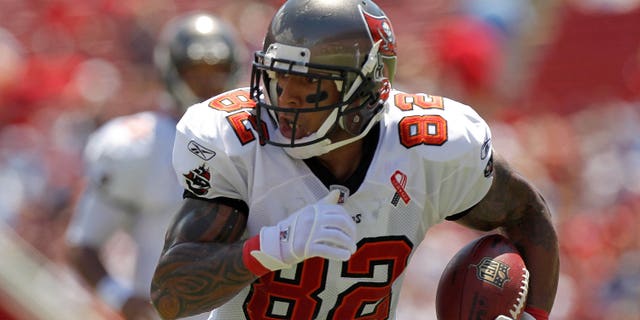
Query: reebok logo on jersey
(488, 170)
(198, 180)
(200, 151)
(399, 182)
(284, 235)
(486, 148)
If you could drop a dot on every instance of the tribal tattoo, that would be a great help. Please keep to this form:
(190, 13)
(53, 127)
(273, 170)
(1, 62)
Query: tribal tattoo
(198, 269)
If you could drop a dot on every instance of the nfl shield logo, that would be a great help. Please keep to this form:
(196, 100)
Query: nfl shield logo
(493, 272)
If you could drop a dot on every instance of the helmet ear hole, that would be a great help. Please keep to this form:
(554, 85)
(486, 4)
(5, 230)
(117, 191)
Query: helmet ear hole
(357, 119)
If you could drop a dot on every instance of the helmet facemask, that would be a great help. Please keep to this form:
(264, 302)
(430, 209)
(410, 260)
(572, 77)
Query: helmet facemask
(349, 42)
(356, 110)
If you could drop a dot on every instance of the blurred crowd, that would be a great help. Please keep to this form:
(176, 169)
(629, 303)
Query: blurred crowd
(68, 66)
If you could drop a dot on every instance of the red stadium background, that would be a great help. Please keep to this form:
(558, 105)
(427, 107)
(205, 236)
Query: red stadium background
(559, 82)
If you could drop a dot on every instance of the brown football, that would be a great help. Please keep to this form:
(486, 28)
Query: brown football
(485, 279)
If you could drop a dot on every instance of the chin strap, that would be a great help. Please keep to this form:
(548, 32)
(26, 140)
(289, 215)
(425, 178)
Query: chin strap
(325, 146)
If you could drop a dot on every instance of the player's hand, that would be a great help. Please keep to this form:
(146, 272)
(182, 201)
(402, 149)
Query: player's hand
(323, 229)
(525, 316)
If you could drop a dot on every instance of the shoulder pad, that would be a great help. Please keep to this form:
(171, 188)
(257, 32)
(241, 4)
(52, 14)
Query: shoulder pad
(439, 128)
(209, 122)
(214, 140)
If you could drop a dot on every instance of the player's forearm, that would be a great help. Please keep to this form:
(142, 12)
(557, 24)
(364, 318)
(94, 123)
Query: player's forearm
(527, 222)
(193, 278)
(536, 239)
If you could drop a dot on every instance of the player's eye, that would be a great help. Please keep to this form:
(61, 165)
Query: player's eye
(312, 80)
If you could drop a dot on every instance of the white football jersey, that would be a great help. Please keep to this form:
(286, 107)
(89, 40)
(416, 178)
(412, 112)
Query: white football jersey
(432, 160)
(131, 187)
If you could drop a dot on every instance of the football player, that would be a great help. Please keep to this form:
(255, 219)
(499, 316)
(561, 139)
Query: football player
(307, 193)
(131, 183)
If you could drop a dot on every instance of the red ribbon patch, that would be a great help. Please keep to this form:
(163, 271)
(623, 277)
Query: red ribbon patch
(399, 182)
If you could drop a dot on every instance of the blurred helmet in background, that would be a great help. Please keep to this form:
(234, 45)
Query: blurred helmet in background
(198, 56)
(350, 42)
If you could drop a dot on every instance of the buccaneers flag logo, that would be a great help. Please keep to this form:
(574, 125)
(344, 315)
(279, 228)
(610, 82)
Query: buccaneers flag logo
(198, 180)
(380, 29)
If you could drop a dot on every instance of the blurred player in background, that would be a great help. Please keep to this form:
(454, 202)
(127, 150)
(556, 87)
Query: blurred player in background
(131, 186)
(308, 193)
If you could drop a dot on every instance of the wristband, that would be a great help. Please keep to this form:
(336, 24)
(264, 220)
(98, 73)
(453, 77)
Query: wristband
(113, 293)
(252, 264)
(537, 313)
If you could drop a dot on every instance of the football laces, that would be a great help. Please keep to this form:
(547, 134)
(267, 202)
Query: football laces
(518, 306)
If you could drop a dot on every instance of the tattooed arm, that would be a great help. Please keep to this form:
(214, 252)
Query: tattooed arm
(515, 207)
(200, 267)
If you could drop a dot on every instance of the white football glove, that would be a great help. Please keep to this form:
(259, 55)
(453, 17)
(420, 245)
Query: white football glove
(323, 229)
(525, 316)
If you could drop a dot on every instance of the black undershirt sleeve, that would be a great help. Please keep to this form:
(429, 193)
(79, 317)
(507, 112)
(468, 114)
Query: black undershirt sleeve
(234, 203)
